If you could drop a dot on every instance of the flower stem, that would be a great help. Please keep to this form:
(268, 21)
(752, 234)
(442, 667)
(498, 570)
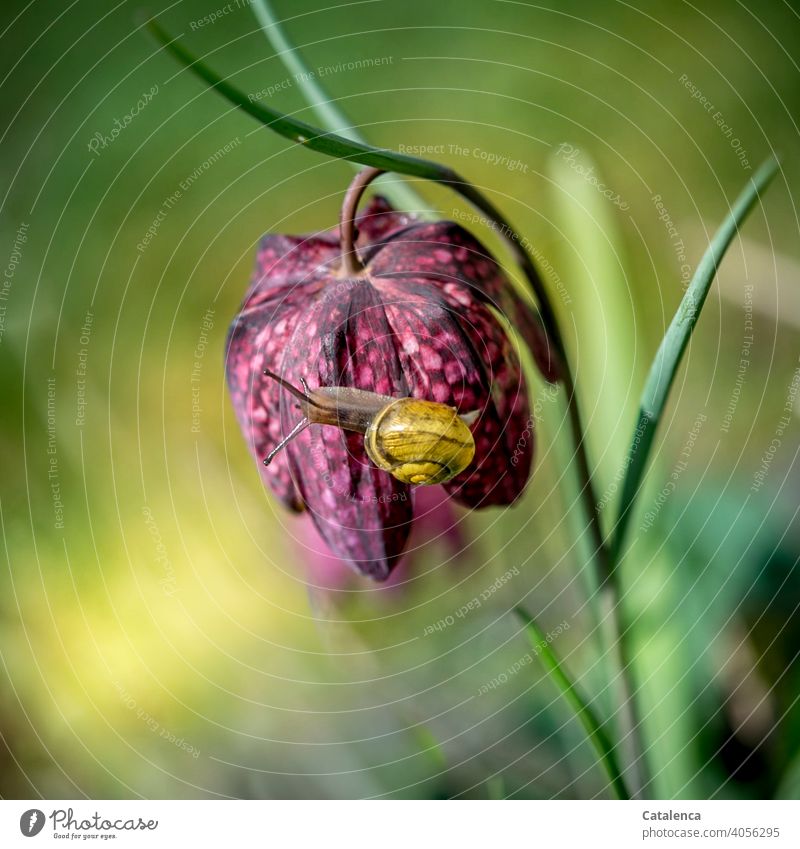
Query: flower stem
(608, 578)
(351, 262)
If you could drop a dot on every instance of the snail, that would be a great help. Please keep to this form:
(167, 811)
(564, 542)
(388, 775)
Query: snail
(418, 442)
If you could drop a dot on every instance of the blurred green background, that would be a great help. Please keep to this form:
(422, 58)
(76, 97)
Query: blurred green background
(167, 630)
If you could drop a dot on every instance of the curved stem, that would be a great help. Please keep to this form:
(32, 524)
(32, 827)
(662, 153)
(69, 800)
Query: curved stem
(608, 576)
(550, 322)
(351, 263)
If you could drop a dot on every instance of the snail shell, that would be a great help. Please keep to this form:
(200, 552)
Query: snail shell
(419, 442)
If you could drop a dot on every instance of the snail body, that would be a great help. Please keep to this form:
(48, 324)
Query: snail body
(418, 442)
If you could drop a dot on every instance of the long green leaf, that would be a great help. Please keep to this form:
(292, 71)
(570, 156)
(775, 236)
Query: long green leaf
(594, 730)
(328, 113)
(665, 365)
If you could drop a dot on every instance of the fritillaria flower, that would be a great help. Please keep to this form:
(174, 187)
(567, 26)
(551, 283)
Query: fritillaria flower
(408, 309)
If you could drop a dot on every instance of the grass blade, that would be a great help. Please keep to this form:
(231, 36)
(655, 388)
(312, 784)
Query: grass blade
(325, 108)
(665, 365)
(594, 730)
(330, 116)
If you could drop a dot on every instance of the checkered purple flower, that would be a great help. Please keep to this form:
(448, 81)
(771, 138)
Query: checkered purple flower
(421, 320)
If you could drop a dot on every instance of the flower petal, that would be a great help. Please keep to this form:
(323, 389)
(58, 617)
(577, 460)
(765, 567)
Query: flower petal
(257, 340)
(446, 253)
(362, 513)
(378, 220)
(503, 451)
(455, 352)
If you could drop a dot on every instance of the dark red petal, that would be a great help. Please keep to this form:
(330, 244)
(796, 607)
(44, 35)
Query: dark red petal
(283, 261)
(442, 248)
(363, 514)
(421, 323)
(455, 351)
(504, 441)
(257, 339)
(439, 362)
(446, 253)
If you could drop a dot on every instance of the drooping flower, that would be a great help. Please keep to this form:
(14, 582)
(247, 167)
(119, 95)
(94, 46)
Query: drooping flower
(415, 319)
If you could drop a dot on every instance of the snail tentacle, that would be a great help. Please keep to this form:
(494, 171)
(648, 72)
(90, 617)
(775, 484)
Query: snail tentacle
(305, 398)
(298, 428)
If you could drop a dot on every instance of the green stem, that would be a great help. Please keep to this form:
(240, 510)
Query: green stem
(594, 730)
(587, 491)
(612, 596)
